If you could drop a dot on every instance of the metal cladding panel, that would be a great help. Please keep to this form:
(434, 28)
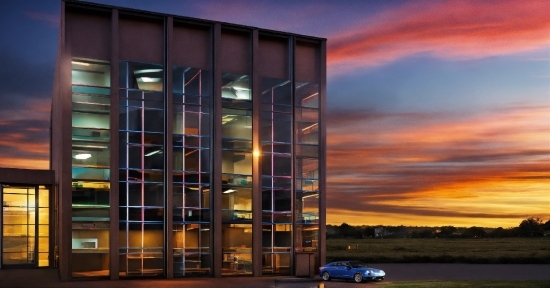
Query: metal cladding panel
(191, 46)
(26, 176)
(141, 39)
(307, 61)
(89, 35)
(235, 52)
(273, 57)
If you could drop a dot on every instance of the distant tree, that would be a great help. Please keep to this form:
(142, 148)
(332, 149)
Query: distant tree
(531, 227)
(347, 231)
(424, 233)
(369, 232)
(396, 231)
(332, 231)
(499, 233)
(474, 232)
(447, 232)
(546, 226)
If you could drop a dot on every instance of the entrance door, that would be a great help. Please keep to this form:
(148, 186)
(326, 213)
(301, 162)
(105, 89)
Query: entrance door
(18, 226)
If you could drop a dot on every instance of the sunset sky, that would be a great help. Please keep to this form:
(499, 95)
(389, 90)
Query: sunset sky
(438, 111)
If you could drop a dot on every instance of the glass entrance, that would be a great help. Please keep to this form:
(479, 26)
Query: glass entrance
(24, 226)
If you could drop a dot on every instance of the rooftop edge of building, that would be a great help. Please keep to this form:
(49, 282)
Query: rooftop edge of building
(125, 10)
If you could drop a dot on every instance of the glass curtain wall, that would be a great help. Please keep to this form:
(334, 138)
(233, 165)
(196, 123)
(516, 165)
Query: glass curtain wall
(236, 174)
(141, 164)
(43, 226)
(307, 166)
(90, 167)
(276, 139)
(191, 166)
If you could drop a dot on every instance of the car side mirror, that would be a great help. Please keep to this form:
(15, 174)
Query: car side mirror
(347, 267)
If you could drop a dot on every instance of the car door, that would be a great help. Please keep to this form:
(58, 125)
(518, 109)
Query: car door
(332, 269)
(339, 270)
(347, 270)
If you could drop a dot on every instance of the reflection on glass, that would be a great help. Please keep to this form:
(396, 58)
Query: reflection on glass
(236, 86)
(90, 167)
(307, 95)
(141, 158)
(306, 203)
(191, 165)
(276, 137)
(236, 169)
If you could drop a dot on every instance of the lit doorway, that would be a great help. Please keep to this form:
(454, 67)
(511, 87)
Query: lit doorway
(25, 226)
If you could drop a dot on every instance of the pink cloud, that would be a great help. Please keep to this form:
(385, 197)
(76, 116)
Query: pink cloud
(442, 167)
(50, 19)
(445, 29)
(291, 16)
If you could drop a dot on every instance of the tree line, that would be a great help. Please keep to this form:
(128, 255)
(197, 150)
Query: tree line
(530, 227)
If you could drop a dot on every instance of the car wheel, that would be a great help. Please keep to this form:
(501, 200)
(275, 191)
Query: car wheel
(358, 278)
(325, 276)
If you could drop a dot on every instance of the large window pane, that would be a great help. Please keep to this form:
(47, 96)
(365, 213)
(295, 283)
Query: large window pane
(90, 171)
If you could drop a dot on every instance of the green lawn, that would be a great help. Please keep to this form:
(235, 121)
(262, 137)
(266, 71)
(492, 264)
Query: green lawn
(442, 250)
(465, 284)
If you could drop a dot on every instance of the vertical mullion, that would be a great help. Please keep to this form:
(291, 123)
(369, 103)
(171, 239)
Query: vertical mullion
(168, 251)
(256, 159)
(1, 226)
(114, 153)
(322, 155)
(216, 155)
(292, 69)
(36, 226)
(142, 166)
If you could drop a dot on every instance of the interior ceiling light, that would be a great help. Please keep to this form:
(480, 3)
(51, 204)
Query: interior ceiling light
(227, 119)
(147, 71)
(149, 79)
(80, 63)
(82, 156)
(153, 153)
(229, 191)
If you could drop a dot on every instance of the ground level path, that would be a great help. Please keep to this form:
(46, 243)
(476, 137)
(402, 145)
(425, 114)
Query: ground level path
(394, 272)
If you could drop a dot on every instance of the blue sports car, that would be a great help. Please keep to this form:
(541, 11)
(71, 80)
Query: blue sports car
(352, 270)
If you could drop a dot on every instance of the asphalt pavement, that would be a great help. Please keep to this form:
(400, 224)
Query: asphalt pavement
(13, 278)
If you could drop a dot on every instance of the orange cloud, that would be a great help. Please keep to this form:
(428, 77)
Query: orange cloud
(446, 29)
(489, 169)
(29, 163)
(25, 136)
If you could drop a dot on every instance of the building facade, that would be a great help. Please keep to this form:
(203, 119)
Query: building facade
(186, 147)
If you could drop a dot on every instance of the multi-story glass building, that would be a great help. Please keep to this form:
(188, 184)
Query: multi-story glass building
(186, 147)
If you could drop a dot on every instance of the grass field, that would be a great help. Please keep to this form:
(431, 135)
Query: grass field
(443, 250)
(465, 284)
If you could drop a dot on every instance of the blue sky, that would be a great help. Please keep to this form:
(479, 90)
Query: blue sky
(441, 107)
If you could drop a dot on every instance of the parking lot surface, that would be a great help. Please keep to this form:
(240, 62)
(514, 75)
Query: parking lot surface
(394, 272)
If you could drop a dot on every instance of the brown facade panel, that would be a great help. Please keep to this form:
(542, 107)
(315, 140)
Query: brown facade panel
(141, 39)
(191, 46)
(273, 57)
(26, 176)
(235, 52)
(307, 61)
(89, 34)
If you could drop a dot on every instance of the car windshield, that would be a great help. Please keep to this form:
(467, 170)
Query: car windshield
(356, 264)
